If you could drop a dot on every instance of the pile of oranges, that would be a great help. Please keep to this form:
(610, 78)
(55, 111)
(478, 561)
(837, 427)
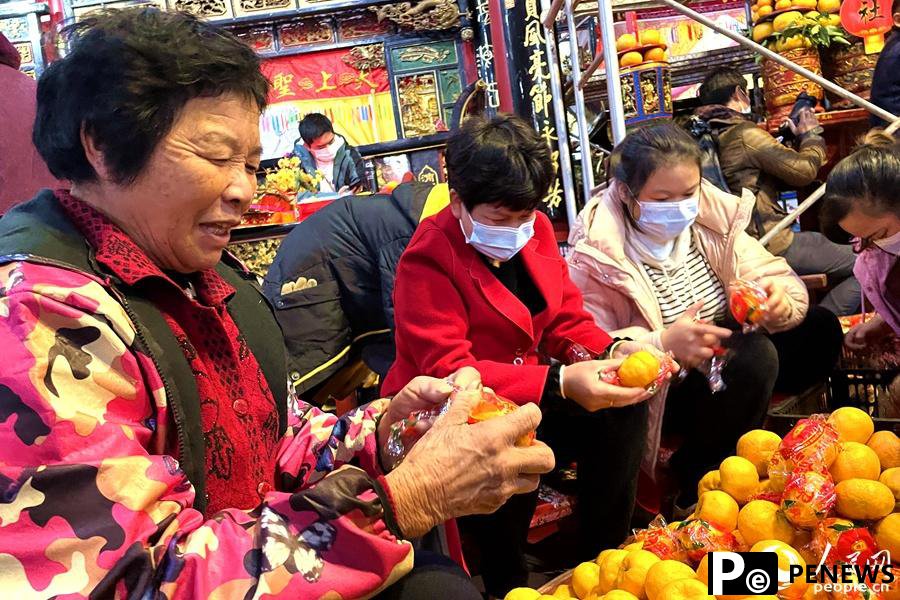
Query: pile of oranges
(826, 494)
(788, 12)
(644, 47)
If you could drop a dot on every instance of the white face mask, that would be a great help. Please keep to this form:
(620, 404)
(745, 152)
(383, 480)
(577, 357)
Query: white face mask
(662, 222)
(891, 244)
(494, 241)
(327, 154)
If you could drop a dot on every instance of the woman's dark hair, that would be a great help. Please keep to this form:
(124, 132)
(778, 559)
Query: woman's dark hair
(720, 84)
(313, 126)
(500, 161)
(868, 178)
(127, 77)
(649, 148)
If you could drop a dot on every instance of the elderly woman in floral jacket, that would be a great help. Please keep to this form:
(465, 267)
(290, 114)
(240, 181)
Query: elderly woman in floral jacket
(148, 447)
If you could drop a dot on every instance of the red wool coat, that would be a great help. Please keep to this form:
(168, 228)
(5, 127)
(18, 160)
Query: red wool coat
(452, 312)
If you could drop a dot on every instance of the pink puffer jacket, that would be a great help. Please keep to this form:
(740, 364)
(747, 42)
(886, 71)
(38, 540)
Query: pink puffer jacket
(620, 295)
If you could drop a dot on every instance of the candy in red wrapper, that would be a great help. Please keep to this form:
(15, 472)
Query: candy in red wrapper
(748, 302)
(699, 537)
(492, 406)
(808, 497)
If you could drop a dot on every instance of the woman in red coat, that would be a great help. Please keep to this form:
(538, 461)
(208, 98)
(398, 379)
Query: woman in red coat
(483, 284)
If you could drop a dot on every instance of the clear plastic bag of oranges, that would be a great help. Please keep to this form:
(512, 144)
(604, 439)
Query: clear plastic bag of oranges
(407, 432)
(813, 442)
(641, 369)
(699, 538)
(661, 539)
(808, 496)
(748, 302)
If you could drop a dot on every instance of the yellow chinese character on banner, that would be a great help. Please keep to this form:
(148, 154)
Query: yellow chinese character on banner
(538, 65)
(533, 34)
(554, 197)
(282, 84)
(549, 136)
(325, 85)
(540, 99)
(363, 78)
(531, 11)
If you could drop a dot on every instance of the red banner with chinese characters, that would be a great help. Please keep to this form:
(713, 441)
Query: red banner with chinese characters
(320, 75)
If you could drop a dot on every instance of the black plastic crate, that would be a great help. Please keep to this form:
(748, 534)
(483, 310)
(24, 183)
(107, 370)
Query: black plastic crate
(866, 389)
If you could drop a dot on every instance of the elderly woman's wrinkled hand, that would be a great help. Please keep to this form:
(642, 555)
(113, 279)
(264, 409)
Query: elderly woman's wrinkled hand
(458, 469)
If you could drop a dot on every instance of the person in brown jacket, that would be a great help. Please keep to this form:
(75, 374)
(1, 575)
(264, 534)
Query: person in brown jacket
(751, 158)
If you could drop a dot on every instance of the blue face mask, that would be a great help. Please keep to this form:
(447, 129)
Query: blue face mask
(662, 222)
(494, 241)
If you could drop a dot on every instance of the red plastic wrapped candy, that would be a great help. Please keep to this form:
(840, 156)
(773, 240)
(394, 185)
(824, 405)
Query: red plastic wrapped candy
(748, 302)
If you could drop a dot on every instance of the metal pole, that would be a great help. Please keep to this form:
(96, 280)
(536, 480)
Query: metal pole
(831, 87)
(613, 85)
(587, 167)
(559, 114)
(806, 204)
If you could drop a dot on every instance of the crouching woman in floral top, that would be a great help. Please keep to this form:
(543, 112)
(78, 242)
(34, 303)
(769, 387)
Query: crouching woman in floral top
(148, 446)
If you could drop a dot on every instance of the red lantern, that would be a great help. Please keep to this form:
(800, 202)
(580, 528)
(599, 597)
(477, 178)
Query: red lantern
(868, 19)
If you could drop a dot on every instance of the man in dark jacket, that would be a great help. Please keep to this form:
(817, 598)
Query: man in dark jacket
(321, 150)
(886, 79)
(751, 158)
(22, 170)
(332, 283)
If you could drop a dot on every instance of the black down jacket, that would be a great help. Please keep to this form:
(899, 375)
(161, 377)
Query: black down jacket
(332, 281)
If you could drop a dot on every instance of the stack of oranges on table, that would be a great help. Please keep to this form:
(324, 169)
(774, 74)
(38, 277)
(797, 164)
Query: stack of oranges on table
(644, 47)
(828, 493)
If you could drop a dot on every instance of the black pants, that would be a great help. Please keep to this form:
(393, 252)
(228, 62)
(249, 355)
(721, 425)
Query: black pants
(711, 424)
(608, 445)
(432, 576)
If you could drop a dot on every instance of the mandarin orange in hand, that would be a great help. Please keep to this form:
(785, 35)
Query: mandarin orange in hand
(492, 406)
(639, 369)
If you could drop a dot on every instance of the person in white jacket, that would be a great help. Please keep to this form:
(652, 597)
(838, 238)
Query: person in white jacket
(653, 256)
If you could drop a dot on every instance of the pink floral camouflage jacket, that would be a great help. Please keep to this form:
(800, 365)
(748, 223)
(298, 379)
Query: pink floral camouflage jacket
(92, 504)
